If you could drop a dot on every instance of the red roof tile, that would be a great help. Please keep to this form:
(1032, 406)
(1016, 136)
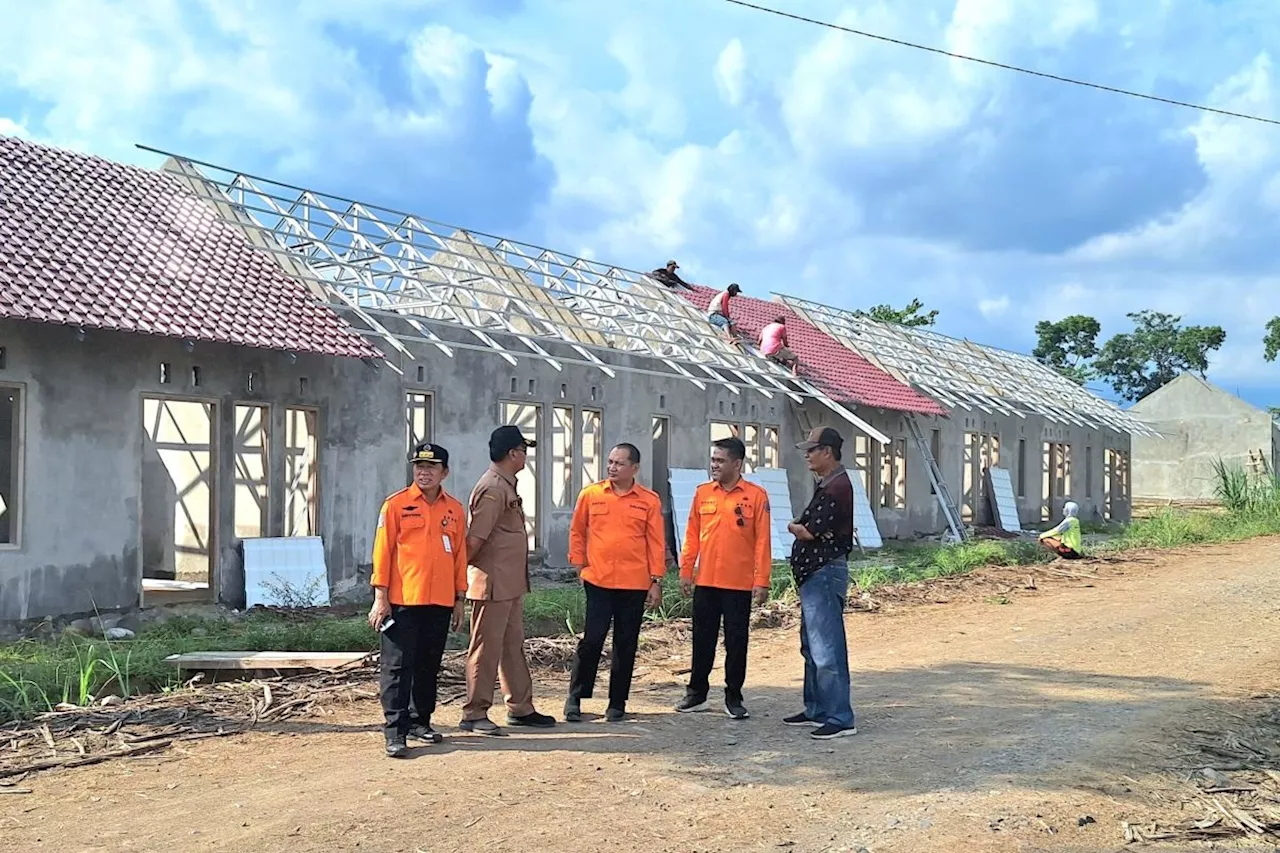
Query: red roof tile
(836, 370)
(88, 242)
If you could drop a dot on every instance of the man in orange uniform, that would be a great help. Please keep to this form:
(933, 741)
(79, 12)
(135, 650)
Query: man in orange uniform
(726, 563)
(419, 583)
(618, 544)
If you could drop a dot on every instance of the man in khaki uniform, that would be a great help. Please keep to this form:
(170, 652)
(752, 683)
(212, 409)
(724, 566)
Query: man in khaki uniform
(497, 580)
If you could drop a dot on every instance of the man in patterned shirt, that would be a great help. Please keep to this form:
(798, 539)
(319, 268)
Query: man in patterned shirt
(820, 564)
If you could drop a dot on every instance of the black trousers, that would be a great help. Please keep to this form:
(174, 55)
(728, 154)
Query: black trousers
(412, 650)
(711, 606)
(625, 609)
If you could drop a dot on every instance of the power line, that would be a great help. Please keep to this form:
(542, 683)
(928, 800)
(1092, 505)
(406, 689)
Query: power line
(1002, 65)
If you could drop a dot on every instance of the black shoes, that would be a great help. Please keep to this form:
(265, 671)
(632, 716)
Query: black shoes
(735, 709)
(424, 733)
(396, 748)
(800, 719)
(532, 720)
(573, 713)
(691, 704)
(830, 731)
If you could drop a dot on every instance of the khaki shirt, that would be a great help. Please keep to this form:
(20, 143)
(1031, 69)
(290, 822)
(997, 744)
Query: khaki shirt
(499, 569)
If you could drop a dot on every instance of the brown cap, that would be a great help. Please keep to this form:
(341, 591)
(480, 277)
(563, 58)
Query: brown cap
(822, 437)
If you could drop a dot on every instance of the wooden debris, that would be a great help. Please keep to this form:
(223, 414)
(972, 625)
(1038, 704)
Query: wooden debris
(1235, 792)
(145, 725)
(265, 660)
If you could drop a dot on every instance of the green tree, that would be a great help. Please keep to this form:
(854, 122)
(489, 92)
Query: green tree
(1271, 343)
(909, 316)
(1155, 352)
(1068, 345)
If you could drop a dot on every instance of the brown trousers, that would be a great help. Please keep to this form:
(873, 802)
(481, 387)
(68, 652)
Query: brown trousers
(497, 651)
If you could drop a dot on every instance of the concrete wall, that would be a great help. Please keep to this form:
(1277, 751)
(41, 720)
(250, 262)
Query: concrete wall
(83, 457)
(1199, 423)
(1021, 443)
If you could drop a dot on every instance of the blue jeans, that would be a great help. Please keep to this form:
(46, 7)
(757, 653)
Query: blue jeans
(718, 320)
(824, 646)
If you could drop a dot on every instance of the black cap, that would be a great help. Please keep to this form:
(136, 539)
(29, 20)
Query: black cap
(428, 452)
(505, 439)
(822, 437)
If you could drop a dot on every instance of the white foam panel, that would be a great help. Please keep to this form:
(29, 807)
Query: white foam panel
(296, 562)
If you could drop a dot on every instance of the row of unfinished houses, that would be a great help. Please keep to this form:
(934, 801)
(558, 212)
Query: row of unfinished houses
(197, 363)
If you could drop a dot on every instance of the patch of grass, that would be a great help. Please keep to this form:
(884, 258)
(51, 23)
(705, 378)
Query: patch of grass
(1172, 528)
(925, 562)
(554, 610)
(36, 675)
(1254, 493)
(1106, 528)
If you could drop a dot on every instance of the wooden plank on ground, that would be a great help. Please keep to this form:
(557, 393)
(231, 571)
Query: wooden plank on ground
(264, 660)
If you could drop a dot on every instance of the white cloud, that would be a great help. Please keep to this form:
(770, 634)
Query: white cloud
(445, 58)
(652, 106)
(993, 308)
(9, 127)
(731, 72)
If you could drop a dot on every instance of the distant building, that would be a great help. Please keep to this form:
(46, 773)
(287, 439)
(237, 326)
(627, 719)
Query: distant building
(1200, 423)
(1002, 409)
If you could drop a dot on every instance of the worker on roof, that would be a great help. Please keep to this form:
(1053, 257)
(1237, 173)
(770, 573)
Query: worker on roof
(419, 582)
(774, 345)
(498, 579)
(618, 544)
(718, 312)
(667, 276)
(726, 565)
(1064, 540)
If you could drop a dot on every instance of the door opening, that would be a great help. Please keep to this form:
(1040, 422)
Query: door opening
(178, 489)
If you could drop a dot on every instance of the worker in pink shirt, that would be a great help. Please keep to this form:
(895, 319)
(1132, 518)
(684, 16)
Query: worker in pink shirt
(773, 345)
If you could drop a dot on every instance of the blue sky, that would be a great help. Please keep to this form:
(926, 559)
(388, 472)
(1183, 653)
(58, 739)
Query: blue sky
(776, 154)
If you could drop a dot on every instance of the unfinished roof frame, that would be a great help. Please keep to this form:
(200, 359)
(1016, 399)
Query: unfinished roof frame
(966, 375)
(373, 261)
(387, 268)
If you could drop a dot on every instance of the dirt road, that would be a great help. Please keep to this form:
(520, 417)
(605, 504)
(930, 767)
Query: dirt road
(983, 726)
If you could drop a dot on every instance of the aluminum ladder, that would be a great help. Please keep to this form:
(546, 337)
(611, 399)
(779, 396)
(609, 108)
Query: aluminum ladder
(938, 482)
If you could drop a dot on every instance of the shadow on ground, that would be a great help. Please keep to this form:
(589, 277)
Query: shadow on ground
(959, 727)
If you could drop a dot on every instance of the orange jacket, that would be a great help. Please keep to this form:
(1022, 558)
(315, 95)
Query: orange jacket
(618, 539)
(728, 537)
(420, 549)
